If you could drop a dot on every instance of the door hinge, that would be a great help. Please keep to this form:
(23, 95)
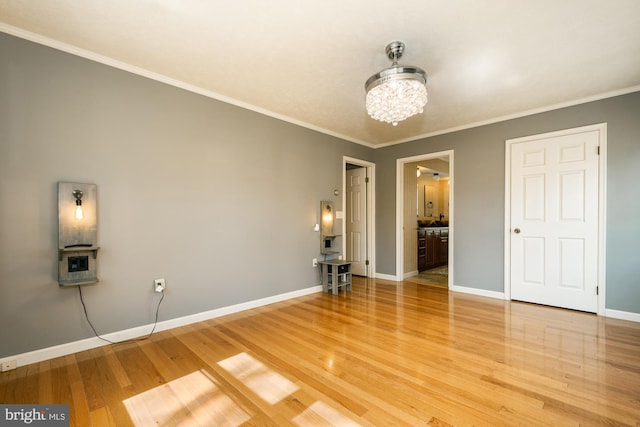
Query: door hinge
(366, 262)
(366, 180)
(598, 150)
(597, 290)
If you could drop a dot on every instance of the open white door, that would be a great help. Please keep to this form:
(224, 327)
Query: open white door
(356, 221)
(554, 219)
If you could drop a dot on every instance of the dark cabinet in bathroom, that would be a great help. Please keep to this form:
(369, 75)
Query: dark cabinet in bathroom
(433, 247)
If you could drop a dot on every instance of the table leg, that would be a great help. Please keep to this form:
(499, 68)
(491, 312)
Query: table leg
(334, 279)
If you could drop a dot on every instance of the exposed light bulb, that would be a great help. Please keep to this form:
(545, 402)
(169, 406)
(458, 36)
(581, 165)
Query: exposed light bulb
(328, 215)
(78, 213)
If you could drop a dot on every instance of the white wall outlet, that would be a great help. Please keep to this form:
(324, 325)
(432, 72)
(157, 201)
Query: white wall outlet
(159, 285)
(9, 365)
(314, 262)
(316, 227)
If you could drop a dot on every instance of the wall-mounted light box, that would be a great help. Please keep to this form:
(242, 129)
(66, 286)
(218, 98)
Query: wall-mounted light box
(327, 219)
(77, 234)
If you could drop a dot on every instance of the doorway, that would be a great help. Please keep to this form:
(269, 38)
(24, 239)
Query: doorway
(425, 217)
(358, 190)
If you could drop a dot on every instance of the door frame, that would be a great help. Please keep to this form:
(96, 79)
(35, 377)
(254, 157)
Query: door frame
(370, 214)
(602, 203)
(400, 210)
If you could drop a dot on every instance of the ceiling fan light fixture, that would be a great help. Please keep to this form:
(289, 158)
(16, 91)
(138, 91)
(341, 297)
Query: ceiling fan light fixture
(398, 92)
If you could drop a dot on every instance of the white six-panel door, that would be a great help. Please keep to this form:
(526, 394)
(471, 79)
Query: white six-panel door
(356, 226)
(554, 220)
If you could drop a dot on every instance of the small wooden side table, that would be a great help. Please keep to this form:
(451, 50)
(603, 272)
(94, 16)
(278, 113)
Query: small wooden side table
(335, 273)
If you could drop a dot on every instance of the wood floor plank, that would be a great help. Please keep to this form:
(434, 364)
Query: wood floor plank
(81, 415)
(110, 385)
(403, 354)
(116, 367)
(408, 375)
(45, 391)
(102, 417)
(309, 374)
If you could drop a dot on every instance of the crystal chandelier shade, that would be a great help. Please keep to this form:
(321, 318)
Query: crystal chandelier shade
(398, 92)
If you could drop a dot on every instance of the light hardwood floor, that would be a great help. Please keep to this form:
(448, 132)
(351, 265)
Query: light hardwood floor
(384, 354)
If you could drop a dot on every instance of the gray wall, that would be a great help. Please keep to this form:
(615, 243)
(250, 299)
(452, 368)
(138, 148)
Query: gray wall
(221, 201)
(479, 155)
(218, 200)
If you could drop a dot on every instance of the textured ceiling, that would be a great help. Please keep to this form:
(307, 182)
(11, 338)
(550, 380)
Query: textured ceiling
(307, 62)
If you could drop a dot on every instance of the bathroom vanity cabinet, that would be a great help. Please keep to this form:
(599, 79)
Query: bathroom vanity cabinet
(433, 247)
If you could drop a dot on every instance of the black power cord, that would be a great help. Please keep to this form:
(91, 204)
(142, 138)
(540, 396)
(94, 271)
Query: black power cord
(86, 315)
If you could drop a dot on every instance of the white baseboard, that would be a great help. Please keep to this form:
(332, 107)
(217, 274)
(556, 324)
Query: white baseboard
(387, 277)
(93, 342)
(475, 291)
(624, 315)
(89, 343)
(616, 314)
(410, 274)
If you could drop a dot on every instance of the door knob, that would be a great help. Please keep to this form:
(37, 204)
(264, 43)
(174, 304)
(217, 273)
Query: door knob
(516, 230)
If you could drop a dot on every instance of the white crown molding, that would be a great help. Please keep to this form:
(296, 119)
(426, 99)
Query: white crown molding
(55, 44)
(531, 112)
(92, 56)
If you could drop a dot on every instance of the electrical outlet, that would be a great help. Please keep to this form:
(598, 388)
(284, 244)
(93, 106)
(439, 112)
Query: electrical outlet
(314, 262)
(159, 285)
(9, 365)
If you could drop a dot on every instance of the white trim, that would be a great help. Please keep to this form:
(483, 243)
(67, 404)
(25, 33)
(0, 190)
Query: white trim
(387, 277)
(452, 231)
(92, 56)
(400, 216)
(410, 274)
(139, 331)
(614, 314)
(506, 229)
(624, 315)
(476, 291)
(544, 109)
(371, 209)
(400, 206)
(602, 200)
(602, 224)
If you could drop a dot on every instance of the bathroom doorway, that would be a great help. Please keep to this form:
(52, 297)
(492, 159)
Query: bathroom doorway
(425, 218)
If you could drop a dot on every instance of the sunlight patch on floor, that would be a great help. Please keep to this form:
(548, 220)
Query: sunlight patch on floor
(269, 385)
(193, 400)
(321, 414)
(197, 400)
